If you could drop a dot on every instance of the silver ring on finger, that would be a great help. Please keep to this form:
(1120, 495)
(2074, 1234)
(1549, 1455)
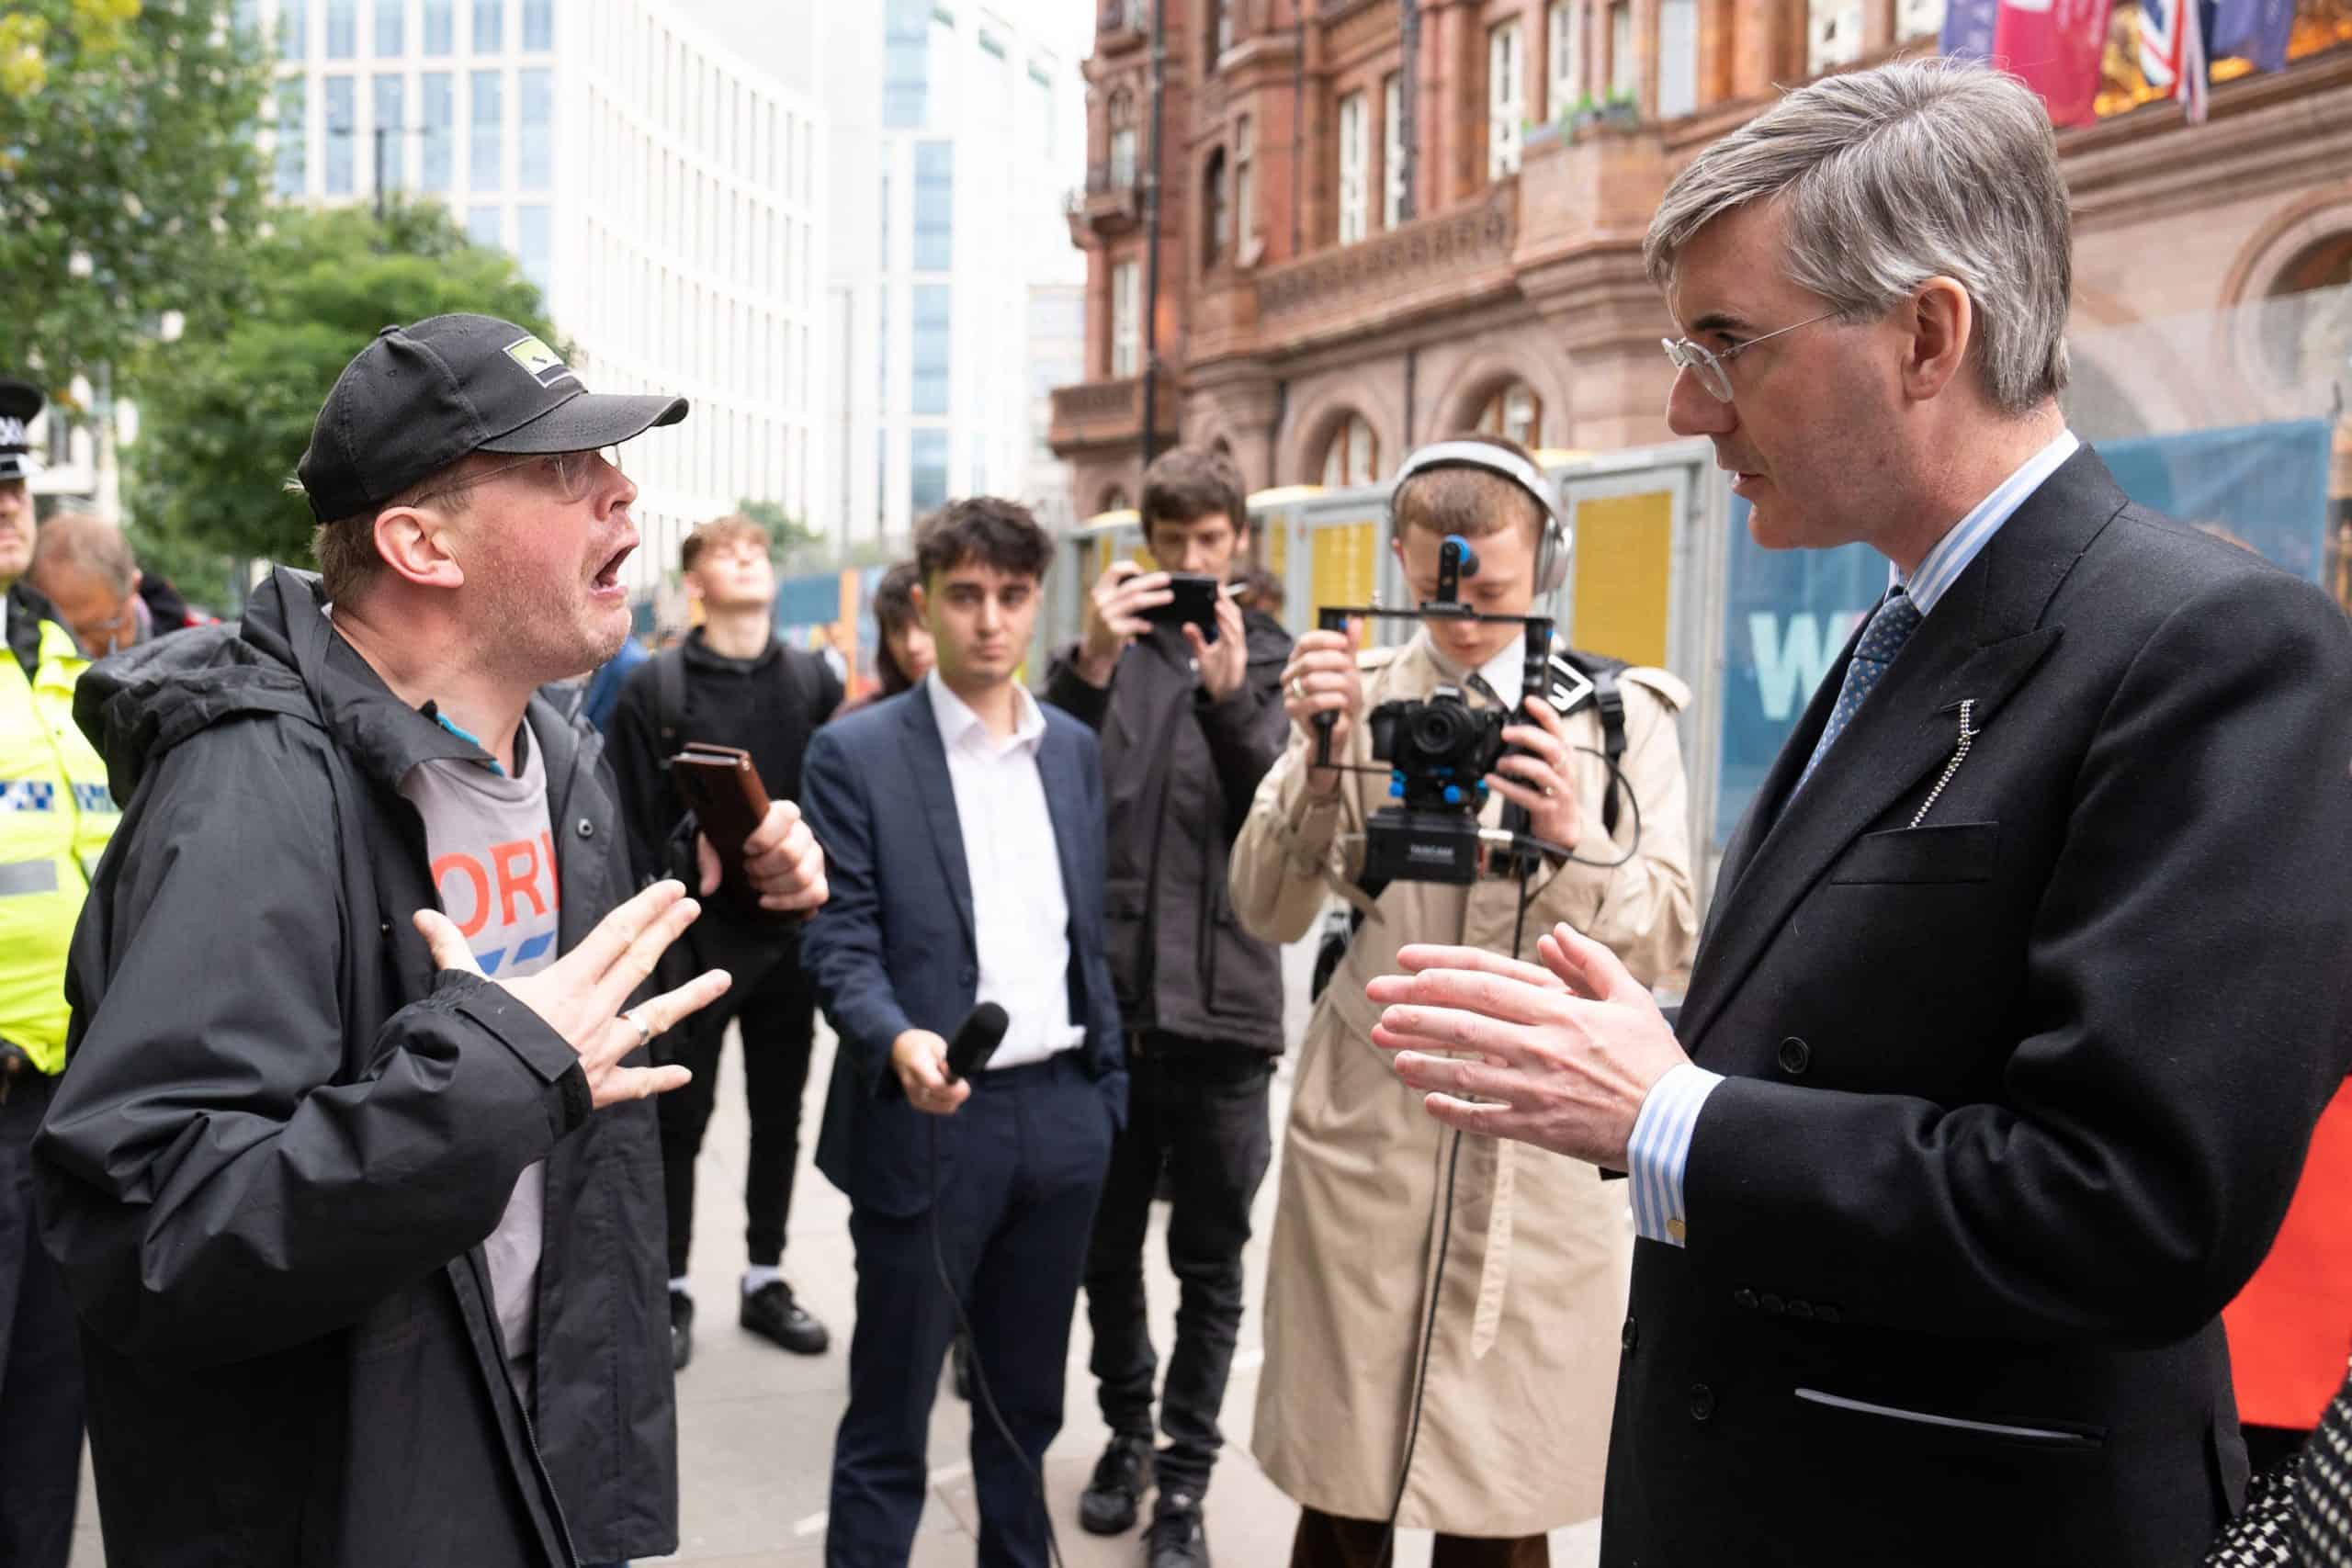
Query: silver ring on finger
(644, 1030)
(1297, 690)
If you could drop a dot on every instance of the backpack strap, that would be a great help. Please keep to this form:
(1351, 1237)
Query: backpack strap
(1608, 697)
(670, 699)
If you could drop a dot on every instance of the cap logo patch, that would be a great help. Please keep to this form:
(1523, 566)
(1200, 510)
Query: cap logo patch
(546, 367)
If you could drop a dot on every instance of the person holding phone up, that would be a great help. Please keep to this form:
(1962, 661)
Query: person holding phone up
(1184, 688)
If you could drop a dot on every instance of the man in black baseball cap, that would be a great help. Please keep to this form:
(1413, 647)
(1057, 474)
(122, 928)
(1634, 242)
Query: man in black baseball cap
(354, 1180)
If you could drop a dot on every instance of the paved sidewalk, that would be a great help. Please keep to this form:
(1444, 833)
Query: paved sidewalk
(756, 1424)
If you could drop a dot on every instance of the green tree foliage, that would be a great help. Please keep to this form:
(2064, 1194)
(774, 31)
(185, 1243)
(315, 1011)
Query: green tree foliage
(223, 422)
(130, 182)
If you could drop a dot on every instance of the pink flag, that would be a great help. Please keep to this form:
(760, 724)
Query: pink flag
(2054, 47)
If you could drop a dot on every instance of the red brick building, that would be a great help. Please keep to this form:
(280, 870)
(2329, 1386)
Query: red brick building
(1318, 318)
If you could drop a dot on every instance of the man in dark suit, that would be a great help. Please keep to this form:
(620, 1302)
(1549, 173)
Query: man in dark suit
(969, 820)
(2024, 983)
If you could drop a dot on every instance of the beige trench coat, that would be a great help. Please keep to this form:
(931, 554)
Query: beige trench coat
(1523, 1360)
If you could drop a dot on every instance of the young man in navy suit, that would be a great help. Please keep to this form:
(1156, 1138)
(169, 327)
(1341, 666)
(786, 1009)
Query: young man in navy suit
(966, 822)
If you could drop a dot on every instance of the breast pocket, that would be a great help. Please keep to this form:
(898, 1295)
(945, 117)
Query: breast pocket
(1954, 852)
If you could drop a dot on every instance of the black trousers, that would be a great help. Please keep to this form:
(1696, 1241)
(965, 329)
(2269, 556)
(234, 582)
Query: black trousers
(1199, 1109)
(40, 1365)
(1012, 1226)
(779, 1017)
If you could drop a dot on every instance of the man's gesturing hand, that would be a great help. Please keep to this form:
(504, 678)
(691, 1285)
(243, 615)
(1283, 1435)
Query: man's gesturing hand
(580, 996)
(1561, 1057)
(781, 860)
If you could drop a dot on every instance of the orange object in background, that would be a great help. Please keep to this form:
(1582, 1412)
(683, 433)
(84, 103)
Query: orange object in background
(2291, 1328)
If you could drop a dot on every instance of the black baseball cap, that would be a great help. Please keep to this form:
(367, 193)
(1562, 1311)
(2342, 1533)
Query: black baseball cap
(419, 398)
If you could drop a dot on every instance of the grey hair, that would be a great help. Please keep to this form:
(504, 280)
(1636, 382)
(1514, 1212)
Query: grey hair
(1888, 178)
(79, 536)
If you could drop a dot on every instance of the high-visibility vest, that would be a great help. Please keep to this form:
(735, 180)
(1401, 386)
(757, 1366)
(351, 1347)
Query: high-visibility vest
(55, 819)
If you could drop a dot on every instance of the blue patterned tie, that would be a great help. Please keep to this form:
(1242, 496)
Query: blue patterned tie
(1891, 626)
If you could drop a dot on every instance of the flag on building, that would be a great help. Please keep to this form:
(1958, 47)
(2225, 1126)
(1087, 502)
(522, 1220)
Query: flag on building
(1968, 28)
(2256, 30)
(2172, 53)
(2055, 48)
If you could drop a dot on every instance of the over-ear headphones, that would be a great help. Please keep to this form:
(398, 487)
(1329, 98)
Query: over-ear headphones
(1552, 548)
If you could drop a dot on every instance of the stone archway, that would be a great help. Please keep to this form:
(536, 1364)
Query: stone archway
(1467, 397)
(1319, 416)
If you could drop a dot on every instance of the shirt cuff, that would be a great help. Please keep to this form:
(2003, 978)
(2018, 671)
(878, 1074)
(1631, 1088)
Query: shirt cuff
(1660, 1149)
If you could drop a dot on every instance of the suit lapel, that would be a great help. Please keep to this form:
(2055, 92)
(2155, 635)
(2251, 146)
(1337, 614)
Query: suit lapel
(927, 764)
(1057, 769)
(1980, 644)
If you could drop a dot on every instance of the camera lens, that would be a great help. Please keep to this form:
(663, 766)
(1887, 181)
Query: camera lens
(1437, 728)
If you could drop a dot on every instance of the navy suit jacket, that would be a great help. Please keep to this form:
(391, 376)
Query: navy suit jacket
(893, 949)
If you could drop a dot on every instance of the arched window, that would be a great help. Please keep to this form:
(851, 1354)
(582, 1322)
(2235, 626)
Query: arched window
(1516, 413)
(1123, 139)
(1353, 456)
(2306, 339)
(1115, 499)
(1219, 211)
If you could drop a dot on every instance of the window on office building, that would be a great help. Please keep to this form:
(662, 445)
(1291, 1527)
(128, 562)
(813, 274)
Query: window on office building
(482, 225)
(927, 487)
(538, 24)
(1564, 62)
(440, 120)
(1245, 181)
(490, 26)
(391, 29)
(535, 243)
(1355, 174)
(342, 29)
(933, 321)
(487, 157)
(906, 41)
(934, 206)
(1216, 204)
(389, 92)
(1353, 456)
(293, 33)
(341, 132)
(293, 135)
(440, 27)
(1506, 98)
(1833, 34)
(1678, 58)
(1392, 150)
(1126, 319)
(534, 127)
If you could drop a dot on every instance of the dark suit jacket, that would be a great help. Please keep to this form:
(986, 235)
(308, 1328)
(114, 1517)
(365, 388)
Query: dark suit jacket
(2017, 1098)
(893, 948)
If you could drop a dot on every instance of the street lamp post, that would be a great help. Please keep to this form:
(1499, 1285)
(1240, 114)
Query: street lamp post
(376, 174)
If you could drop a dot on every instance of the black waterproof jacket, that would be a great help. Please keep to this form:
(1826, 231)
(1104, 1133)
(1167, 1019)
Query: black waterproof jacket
(1178, 772)
(281, 1138)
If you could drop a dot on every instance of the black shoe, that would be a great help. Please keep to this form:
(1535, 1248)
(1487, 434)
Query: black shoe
(1176, 1538)
(772, 1313)
(1122, 1476)
(681, 1330)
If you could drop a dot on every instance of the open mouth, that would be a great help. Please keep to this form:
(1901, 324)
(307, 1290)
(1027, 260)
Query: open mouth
(608, 576)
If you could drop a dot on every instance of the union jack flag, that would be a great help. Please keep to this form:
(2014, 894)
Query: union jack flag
(2172, 53)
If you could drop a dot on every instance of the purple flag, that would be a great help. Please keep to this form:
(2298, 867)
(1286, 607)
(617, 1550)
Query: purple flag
(2254, 30)
(1968, 26)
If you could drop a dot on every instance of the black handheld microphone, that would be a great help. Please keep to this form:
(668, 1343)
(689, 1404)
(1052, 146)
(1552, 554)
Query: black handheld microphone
(976, 1041)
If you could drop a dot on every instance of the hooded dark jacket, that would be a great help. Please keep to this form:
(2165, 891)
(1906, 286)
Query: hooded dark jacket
(282, 1136)
(1178, 772)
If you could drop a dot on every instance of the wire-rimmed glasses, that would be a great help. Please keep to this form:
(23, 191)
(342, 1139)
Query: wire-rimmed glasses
(1708, 366)
(573, 474)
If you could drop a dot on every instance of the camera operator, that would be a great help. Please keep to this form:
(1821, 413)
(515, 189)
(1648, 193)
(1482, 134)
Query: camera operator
(1189, 727)
(1381, 1212)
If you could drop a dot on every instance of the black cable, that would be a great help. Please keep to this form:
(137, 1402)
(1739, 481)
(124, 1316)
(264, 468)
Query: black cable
(980, 1376)
(1386, 1553)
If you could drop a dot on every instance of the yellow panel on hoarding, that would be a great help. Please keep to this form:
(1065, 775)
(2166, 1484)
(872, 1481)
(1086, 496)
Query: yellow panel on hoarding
(1345, 568)
(1273, 547)
(1625, 553)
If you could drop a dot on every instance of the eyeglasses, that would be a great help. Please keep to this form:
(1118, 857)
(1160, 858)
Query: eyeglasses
(573, 474)
(1708, 366)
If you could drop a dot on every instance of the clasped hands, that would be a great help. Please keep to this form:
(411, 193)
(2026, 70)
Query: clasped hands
(1560, 1055)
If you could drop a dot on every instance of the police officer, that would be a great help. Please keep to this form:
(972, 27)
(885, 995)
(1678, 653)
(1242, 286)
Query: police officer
(55, 816)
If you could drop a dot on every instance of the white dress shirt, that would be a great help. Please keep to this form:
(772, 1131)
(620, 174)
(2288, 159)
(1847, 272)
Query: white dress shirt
(1019, 909)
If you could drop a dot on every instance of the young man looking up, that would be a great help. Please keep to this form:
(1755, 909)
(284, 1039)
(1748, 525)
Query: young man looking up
(360, 1241)
(732, 682)
(964, 823)
(1188, 727)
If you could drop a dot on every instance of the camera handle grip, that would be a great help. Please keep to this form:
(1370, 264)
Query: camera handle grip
(1327, 619)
